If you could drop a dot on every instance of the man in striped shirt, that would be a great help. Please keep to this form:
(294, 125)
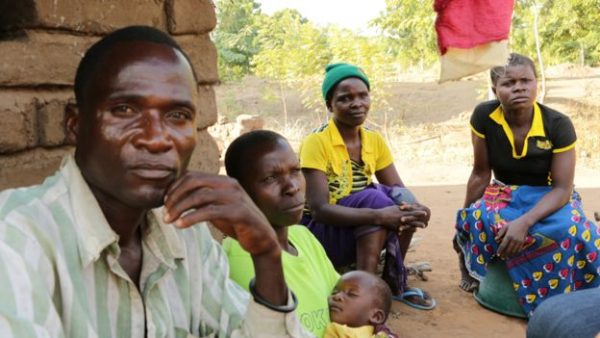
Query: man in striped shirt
(92, 252)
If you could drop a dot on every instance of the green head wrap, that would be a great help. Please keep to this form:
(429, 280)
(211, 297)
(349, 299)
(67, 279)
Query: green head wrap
(336, 72)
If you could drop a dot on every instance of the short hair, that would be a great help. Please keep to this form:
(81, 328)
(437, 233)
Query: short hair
(94, 56)
(513, 60)
(378, 289)
(383, 296)
(238, 150)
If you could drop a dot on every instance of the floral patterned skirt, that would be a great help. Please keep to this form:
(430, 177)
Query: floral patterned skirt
(561, 251)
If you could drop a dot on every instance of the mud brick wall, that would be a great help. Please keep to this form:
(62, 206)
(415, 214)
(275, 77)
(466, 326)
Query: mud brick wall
(41, 43)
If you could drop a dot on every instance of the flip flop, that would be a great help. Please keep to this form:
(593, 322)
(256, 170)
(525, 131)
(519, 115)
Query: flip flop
(415, 292)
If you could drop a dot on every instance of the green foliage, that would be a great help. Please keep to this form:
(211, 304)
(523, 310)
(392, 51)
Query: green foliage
(409, 25)
(569, 30)
(235, 36)
(292, 52)
(290, 47)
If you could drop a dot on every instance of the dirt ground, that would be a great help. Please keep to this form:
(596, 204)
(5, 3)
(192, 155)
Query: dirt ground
(430, 140)
(457, 313)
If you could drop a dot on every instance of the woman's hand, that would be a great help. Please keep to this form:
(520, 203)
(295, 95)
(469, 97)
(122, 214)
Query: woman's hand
(404, 215)
(420, 221)
(420, 207)
(512, 237)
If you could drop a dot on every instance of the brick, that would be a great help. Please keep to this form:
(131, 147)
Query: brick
(30, 167)
(89, 16)
(41, 58)
(190, 16)
(31, 118)
(207, 107)
(206, 155)
(203, 55)
(47, 58)
(18, 127)
(18, 132)
(51, 122)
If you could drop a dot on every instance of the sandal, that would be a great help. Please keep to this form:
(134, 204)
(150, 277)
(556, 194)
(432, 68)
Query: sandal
(415, 292)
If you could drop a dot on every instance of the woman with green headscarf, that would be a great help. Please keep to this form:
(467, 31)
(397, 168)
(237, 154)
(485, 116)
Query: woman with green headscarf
(351, 216)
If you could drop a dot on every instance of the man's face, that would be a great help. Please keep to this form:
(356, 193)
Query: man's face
(275, 183)
(137, 128)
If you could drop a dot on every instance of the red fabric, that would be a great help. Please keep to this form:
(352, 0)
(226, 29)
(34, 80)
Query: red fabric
(469, 23)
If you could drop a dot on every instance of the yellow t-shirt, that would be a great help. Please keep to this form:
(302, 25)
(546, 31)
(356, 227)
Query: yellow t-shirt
(335, 330)
(326, 151)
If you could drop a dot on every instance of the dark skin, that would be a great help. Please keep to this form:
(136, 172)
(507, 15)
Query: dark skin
(134, 137)
(354, 302)
(274, 181)
(516, 90)
(350, 105)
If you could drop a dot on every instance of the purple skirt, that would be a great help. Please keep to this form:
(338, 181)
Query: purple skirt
(340, 242)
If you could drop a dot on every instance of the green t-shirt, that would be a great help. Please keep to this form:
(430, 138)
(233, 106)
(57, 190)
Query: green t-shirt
(310, 275)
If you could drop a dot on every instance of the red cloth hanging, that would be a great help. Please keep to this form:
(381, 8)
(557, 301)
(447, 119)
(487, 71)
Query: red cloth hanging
(469, 23)
(472, 35)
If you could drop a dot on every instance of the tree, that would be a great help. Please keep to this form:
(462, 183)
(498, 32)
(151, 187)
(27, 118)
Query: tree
(235, 36)
(291, 48)
(568, 30)
(410, 26)
(571, 30)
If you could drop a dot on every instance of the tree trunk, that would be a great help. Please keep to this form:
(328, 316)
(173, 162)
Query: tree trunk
(284, 104)
(536, 14)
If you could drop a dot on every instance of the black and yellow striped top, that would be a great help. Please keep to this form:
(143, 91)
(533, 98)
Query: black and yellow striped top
(359, 179)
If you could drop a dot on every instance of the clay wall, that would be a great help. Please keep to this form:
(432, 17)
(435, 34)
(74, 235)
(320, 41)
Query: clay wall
(41, 43)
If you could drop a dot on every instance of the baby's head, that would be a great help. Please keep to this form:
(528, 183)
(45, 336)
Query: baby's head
(360, 298)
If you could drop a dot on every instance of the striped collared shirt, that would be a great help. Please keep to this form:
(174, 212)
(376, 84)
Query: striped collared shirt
(60, 276)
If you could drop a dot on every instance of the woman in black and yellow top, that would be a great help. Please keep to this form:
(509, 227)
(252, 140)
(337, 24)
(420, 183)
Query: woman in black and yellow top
(530, 215)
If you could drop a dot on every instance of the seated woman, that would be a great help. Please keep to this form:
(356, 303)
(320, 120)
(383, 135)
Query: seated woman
(268, 169)
(529, 216)
(351, 216)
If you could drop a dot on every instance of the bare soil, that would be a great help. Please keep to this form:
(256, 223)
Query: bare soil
(457, 313)
(428, 132)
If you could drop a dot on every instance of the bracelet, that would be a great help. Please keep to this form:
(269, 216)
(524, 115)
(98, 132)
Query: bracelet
(278, 308)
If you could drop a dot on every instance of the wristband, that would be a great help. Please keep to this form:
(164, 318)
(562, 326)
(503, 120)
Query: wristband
(278, 308)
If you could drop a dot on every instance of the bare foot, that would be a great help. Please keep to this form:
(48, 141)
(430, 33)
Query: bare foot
(467, 283)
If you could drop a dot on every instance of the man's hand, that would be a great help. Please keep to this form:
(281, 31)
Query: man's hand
(197, 197)
(512, 238)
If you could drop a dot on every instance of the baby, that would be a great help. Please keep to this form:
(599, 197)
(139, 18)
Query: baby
(359, 306)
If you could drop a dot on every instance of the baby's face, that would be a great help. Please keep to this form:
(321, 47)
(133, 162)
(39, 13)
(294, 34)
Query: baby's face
(352, 300)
